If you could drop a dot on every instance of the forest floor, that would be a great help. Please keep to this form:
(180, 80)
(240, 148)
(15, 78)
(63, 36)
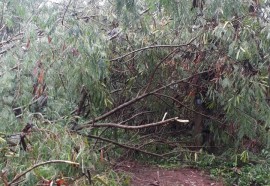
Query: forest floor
(148, 175)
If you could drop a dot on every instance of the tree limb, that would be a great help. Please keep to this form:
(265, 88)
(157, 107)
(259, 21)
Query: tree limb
(151, 47)
(123, 146)
(38, 165)
(115, 125)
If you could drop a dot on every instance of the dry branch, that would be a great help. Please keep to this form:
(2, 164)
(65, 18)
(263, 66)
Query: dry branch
(115, 125)
(38, 165)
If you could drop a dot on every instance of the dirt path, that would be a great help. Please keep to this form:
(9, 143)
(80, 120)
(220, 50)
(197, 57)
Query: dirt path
(143, 175)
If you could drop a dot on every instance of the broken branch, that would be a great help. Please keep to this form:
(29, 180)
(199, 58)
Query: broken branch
(115, 125)
(38, 165)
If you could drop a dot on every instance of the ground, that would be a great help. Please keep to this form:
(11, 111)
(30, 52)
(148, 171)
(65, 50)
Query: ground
(145, 175)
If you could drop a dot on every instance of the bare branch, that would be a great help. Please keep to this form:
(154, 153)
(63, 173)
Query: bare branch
(152, 47)
(132, 117)
(123, 146)
(14, 38)
(38, 165)
(115, 125)
(65, 12)
(3, 176)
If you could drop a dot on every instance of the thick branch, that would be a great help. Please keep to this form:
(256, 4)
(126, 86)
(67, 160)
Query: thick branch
(115, 125)
(41, 164)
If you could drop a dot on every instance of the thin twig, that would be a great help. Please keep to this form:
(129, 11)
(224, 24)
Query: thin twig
(151, 47)
(2, 13)
(157, 66)
(6, 50)
(132, 117)
(14, 38)
(177, 101)
(61, 78)
(65, 12)
(38, 165)
(123, 146)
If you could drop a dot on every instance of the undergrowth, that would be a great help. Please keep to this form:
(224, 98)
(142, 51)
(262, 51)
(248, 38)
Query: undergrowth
(241, 169)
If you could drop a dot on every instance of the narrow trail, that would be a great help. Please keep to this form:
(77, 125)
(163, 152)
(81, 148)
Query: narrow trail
(144, 175)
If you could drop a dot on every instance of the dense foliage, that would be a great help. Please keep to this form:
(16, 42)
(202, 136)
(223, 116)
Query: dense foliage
(89, 81)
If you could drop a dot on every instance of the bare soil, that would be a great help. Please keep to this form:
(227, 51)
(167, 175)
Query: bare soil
(145, 175)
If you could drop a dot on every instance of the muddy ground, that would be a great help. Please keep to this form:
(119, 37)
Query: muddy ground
(148, 175)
